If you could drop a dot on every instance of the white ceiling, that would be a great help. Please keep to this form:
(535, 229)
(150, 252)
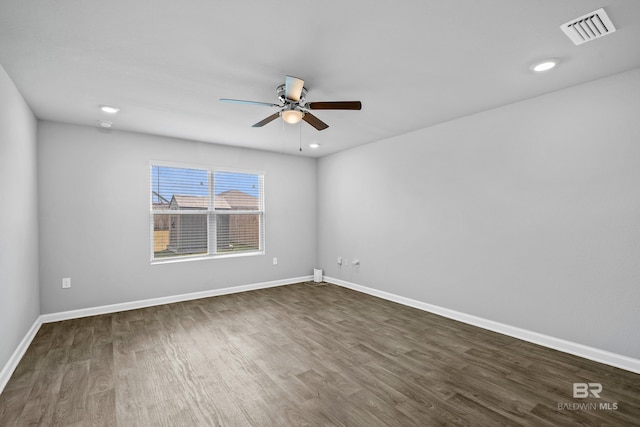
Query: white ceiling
(412, 63)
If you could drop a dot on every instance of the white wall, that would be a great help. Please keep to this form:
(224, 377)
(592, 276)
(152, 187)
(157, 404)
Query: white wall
(528, 214)
(19, 298)
(94, 218)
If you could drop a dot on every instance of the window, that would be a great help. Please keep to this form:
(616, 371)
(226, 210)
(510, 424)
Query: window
(203, 212)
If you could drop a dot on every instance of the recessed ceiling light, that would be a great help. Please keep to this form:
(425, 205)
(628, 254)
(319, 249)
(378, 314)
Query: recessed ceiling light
(109, 109)
(105, 124)
(314, 145)
(545, 65)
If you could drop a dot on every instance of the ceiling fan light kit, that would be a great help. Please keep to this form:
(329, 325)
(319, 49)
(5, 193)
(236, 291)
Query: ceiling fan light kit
(293, 105)
(291, 116)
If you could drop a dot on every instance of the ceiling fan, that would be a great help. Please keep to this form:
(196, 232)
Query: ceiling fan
(294, 107)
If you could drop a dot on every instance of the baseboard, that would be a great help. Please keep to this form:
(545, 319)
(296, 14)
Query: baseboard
(15, 358)
(13, 361)
(591, 353)
(133, 305)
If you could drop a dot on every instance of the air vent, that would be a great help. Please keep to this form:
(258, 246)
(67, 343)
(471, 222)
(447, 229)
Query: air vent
(588, 27)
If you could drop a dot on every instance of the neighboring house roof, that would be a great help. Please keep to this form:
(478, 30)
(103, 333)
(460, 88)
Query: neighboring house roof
(159, 206)
(237, 200)
(232, 200)
(179, 201)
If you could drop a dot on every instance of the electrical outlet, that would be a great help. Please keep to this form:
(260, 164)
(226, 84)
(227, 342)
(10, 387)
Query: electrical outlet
(275, 261)
(66, 282)
(339, 260)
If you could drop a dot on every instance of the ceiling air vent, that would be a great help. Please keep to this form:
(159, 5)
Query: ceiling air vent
(588, 27)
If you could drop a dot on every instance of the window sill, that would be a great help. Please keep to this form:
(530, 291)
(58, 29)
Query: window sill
(205, 257)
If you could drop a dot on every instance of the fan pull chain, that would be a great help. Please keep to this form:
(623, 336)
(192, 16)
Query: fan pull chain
(300, 127)
(282, 133)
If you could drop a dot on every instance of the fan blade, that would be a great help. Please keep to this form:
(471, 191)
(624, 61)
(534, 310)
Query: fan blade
(314, 121)
(267, 120)
(335, 105)
(240, 101)
(293, 88)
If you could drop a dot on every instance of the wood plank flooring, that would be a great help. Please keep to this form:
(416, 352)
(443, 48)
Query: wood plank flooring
(301, 355)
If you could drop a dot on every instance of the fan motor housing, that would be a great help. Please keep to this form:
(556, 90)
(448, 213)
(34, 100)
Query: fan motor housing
(280, 91)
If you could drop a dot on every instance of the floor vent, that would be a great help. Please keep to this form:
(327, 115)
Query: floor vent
(588, 27)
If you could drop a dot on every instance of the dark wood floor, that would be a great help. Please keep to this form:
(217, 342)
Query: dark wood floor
(301, 355)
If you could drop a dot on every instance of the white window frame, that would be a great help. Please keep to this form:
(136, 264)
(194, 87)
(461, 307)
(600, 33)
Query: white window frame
(211, 212)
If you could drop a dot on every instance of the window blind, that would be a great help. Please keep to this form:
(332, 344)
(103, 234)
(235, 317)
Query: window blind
(205, 212)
